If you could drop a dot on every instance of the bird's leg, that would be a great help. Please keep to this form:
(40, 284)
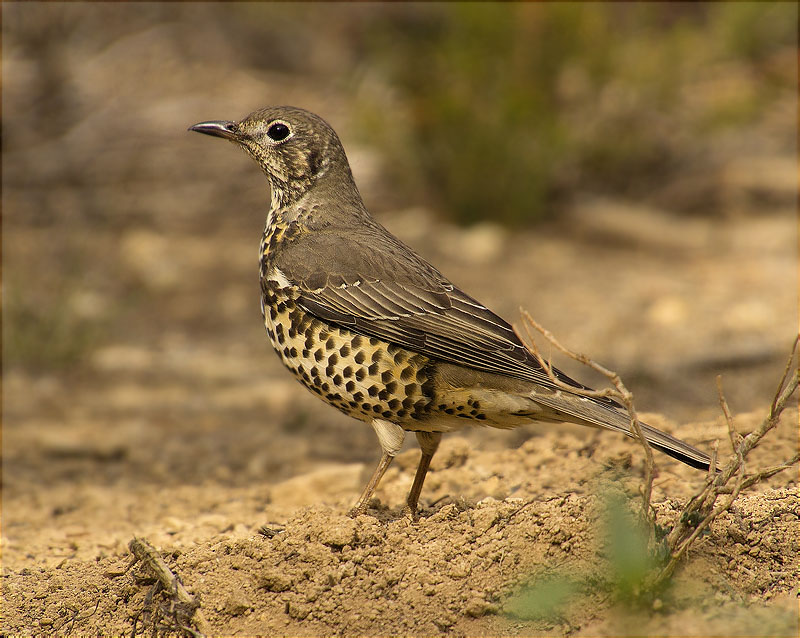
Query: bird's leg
(428, 443)
(361, 505)
(391, 438)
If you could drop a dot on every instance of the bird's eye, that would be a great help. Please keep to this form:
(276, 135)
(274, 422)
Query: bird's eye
(278, 132)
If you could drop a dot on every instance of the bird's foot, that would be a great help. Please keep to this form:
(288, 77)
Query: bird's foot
(357, 511)
(410, 513)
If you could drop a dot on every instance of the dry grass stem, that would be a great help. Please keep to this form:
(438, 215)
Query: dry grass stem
(148, 555)
(619, 393)
(702, 509)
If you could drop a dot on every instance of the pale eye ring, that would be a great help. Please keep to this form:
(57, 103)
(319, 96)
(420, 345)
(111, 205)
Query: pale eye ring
(278, 131)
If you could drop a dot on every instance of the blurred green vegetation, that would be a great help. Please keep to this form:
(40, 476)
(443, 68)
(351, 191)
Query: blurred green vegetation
(47, 334)
(628, 561)
(622, 583)
(508, 107)
(496, 111)
(545, 599)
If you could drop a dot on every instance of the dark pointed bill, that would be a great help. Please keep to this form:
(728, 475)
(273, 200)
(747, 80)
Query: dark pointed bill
(217, 128)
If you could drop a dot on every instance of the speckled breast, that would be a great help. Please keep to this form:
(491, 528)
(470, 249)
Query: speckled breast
(363, 377)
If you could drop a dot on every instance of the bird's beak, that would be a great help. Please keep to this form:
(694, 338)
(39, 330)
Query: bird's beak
(218, 128)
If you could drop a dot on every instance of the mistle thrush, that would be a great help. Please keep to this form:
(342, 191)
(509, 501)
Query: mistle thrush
(376, 331)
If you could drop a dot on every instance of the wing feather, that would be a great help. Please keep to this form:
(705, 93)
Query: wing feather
(381, 288)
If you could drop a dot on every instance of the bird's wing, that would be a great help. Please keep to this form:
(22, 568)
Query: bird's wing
(383, 289)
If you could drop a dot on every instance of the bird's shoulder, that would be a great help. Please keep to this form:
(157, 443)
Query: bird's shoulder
(325, 254)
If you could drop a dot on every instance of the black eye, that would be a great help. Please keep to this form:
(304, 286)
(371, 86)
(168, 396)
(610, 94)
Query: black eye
(278, 132)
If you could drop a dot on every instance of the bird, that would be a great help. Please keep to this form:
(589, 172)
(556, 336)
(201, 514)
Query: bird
(373, 329)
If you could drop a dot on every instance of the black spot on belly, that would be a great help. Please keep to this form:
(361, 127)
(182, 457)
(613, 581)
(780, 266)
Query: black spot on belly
(421, 408)
(303, 324)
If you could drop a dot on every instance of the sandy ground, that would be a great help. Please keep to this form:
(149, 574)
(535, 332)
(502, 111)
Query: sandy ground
(283, 559)
(141, 397)
(196, 443)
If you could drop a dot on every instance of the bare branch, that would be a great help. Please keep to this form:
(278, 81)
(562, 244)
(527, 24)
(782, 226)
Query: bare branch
(733, 435)
(148, 555)
(702, 509)
(703, 503)
(620, 392)
(785, 376)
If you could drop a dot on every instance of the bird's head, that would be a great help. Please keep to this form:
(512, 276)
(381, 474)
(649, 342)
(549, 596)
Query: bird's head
(294, 147)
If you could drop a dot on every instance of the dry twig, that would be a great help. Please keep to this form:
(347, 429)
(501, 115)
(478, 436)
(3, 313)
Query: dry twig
(702, 509)
(620, 393)
(148, 555)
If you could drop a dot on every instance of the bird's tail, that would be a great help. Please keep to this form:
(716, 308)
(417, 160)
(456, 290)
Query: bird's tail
(585, 411)
(675, 448)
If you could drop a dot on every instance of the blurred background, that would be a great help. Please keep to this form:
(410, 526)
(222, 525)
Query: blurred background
(625, 172)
